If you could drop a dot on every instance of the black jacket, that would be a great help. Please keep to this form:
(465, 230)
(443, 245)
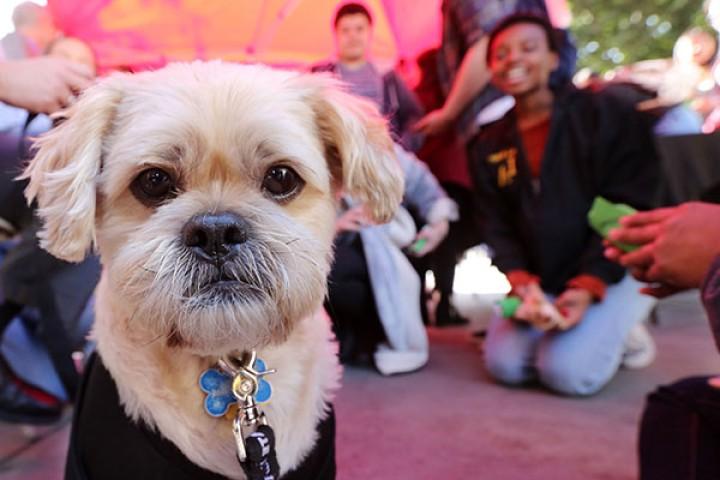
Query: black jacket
(597, 145)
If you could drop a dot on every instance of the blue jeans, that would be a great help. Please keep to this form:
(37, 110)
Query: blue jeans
(579, 361)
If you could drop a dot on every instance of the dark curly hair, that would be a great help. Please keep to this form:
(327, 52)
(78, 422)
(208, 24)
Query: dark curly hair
(524, 17)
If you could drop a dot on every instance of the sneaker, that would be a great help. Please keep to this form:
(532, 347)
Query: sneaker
(640, 350)
(23, 403)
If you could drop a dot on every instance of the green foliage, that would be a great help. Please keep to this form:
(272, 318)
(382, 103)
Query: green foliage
(610, 33)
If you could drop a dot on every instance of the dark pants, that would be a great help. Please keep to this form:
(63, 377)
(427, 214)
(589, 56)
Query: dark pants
(680, 432)
(350, 302)
(13, 152)
(31, 277)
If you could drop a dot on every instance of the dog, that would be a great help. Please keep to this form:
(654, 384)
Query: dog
(208, 191)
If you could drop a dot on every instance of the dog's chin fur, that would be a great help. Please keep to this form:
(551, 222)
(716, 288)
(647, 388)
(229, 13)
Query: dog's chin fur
(163, 314)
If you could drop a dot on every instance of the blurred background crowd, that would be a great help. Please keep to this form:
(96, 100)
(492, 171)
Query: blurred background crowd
(510, 117)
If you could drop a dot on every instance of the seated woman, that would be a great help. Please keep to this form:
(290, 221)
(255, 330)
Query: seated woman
(536, 172)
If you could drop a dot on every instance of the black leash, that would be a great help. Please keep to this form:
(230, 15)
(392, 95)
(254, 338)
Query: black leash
(261, 461)
(240, 381)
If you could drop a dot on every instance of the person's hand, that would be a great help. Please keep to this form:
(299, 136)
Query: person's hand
(433, 123)
(433, 234)
(572, 305)
(677, 246)
(42, 84)
(531, 311)
(353, 220)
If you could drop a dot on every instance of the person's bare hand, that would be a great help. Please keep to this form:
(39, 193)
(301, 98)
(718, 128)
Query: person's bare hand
(433, 123)
(353, 220)
(572, 305)
(42, 84)
(433, 234)
(639, 229)
(677, 245)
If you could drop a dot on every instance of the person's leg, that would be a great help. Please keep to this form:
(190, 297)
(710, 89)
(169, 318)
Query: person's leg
(582, 360)
(461, 236)
(510, 349)
(350, 302)
(680, 432)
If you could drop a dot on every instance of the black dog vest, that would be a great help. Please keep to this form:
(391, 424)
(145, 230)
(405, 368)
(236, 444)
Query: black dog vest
(106, 445)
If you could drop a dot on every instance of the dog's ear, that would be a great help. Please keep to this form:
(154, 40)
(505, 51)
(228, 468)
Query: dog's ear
(63, 173)
(358, 148)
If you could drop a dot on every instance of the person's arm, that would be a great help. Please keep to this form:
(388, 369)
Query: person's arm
(424, 194)
(42, 84)
(711, 301)
(409, 111)
(471, 78)
(494, 216)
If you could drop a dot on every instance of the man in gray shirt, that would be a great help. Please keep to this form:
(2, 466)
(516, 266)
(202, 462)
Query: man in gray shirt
(353, 32)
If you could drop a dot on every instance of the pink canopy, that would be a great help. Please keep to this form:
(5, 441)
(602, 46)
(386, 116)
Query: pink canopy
(137, 34)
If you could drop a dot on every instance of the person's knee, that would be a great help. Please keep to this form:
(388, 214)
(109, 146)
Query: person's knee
(505, 367)
(568, 377)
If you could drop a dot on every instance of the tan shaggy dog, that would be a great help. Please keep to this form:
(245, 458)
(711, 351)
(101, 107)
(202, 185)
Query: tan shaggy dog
(208, 190)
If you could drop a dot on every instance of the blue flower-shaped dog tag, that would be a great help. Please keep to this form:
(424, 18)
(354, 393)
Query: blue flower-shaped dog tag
(264, 389)
(218, 386)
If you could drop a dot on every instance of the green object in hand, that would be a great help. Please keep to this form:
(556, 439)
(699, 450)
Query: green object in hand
(605, 215)
(509, 305)
(418, 245)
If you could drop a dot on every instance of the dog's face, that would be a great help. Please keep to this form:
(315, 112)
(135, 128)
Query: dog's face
(209, 191)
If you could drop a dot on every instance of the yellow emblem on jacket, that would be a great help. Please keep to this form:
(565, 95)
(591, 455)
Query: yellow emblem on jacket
(507, 170)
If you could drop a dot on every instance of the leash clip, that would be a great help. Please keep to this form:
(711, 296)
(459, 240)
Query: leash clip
(245, 386)
(248, 418)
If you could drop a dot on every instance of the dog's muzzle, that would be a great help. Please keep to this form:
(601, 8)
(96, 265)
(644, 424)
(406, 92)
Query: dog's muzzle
(215, 238)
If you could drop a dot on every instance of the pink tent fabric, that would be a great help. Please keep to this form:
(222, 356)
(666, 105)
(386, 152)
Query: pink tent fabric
(137, 34)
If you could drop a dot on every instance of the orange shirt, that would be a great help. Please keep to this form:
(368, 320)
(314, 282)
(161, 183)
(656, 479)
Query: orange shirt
(534, 140)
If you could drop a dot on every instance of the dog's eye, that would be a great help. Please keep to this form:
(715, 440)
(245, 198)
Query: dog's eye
(282, 183)
(153, 186)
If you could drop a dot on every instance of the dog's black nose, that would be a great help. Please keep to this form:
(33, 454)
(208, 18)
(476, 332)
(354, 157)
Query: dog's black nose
(214, 237)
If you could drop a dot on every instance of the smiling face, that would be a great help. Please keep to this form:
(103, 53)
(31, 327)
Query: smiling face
(210, 191)
(520, 59)
(353, 35)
